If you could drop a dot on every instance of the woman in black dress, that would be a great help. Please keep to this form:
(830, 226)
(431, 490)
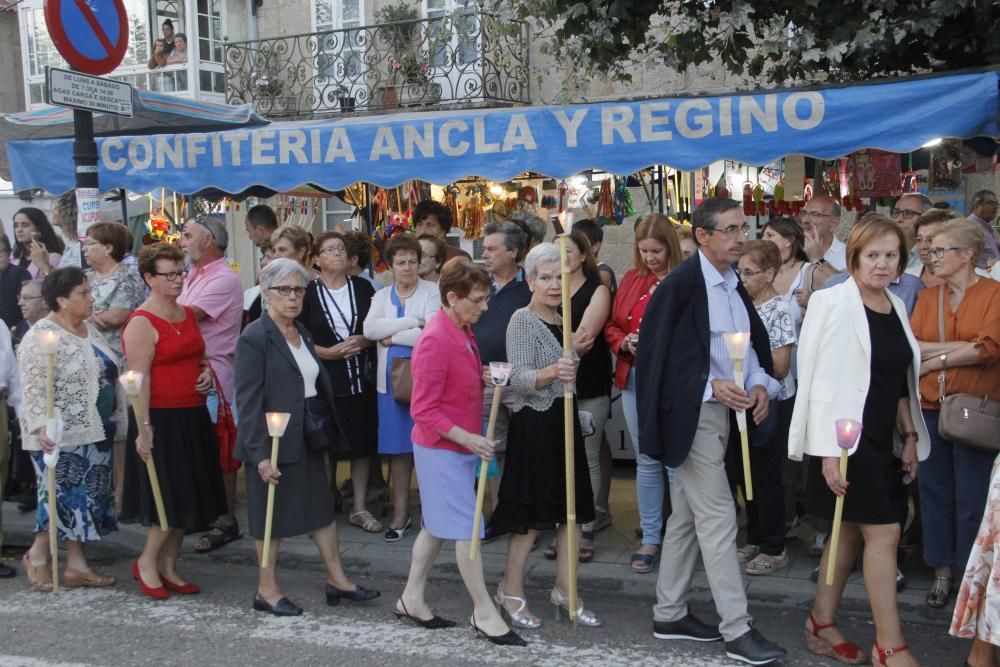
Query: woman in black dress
(533, 487)
(858, 359)
(334, 312)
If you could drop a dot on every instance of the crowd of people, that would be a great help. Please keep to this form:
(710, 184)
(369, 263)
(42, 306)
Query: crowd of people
(393, 377)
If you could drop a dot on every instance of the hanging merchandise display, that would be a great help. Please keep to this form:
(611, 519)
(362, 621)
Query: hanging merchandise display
(623, 201)
(605, 207)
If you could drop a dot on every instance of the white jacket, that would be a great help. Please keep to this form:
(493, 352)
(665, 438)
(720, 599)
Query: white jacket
(382, 323)
(834, 363)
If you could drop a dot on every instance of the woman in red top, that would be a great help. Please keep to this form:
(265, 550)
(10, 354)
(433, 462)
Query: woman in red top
(446, 406)
(161, 340)
(657, 253)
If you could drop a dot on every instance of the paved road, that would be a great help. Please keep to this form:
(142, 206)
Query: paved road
(119, 627)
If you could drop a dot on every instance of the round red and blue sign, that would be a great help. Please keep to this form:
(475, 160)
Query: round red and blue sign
(92, 35)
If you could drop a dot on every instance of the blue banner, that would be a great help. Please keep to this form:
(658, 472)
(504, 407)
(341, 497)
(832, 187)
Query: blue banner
(558, 141)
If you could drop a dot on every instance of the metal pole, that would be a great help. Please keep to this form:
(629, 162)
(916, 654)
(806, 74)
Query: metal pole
(662, 190)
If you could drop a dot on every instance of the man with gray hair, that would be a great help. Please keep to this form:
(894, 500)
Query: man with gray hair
(503, 251)
(905, 213)
(984, 213)
(532, 226)
(214, 292)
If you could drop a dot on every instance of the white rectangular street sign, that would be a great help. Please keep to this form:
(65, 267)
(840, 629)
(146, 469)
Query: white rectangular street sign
(90, 93)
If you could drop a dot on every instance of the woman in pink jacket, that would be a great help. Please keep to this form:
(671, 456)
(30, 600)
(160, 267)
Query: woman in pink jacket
(446, 407)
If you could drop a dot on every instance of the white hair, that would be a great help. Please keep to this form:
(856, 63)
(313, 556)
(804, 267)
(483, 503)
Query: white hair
(543, 253)
(279, 269)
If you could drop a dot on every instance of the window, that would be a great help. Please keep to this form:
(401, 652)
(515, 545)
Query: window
(210, 32)
(336, 212)
(454, 32)
(340, 53)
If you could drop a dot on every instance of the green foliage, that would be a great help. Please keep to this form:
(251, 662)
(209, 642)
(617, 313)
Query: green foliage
(773, 41)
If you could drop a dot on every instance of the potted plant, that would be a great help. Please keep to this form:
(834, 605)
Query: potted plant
(412, 74)
(397, 31)
(344, 98)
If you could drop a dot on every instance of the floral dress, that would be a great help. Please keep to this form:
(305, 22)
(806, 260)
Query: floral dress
(977, 609)
(85, 499)
(122, 288)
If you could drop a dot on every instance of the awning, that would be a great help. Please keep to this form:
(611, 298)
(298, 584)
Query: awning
(558, 141)
(153, 113)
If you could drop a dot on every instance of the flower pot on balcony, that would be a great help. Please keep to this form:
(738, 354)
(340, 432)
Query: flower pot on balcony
(419, 92)
(346, 103)
(387, 98)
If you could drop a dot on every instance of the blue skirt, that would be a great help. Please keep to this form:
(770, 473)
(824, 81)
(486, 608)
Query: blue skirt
(447, 482)
(85, 497)
(394, 423)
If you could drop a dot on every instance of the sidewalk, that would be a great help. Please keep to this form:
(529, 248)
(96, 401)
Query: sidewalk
(367, 554)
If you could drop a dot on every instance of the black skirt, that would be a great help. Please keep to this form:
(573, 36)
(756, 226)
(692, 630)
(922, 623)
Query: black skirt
(358, 417)
(533, 486)
(302, 499)
(186, 457)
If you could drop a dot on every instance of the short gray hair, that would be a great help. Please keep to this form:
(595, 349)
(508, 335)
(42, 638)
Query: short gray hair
(216, 226)
(924, 200)
(279, 269)
(513, 238)
(981, 196)
(535, 225)
(543, 253)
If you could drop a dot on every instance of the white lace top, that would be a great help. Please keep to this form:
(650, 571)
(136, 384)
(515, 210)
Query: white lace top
(77, 370)
(532, 346)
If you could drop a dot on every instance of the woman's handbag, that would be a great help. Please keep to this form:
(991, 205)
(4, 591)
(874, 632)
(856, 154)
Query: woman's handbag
(318, 426)
(225, 430)
(402, 380)
(968, 419)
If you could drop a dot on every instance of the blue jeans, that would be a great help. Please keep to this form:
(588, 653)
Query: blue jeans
(649, 484)
(954, 483)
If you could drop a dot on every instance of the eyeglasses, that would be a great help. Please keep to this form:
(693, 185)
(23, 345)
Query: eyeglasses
(905, 213)
(286, 291)
(806, 213)
(748, 273)
(333, 250)
(732, 230)
(28, 298)
(480, 300)
(171, 275)
(938, 253)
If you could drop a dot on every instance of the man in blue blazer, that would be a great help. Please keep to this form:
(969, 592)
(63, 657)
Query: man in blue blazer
(685, 390)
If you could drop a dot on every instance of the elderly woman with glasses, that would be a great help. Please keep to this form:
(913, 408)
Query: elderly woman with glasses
(277, 370)
(958, 327)
(162, 341)
(533, 487)
(334, 311)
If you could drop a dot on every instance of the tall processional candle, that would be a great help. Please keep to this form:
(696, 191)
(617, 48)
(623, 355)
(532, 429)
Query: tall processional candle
(48, 341)
(848, 432)
(277, 422)
(500, 373)
(131, 382)
(736, 344)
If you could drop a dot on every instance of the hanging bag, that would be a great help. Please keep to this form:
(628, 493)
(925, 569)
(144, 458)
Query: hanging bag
(402, 380)
(225, 429)
(964, 418)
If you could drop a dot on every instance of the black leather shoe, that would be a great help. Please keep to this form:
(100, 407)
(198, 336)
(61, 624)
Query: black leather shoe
(753, 649)
(509, 638)
(360, 594)
(6, 571)
(688, 627)
(283, 607)
(432, 623)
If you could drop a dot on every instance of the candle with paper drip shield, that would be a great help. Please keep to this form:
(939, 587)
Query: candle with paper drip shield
(848, 432)
(565, 225)
(131, 382)
(277, 422)
(500, 373)
(736, 345)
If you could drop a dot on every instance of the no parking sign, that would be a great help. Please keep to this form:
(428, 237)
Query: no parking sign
(92, 35)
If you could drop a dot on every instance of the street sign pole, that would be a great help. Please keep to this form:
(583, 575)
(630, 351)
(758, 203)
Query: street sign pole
(88, 204)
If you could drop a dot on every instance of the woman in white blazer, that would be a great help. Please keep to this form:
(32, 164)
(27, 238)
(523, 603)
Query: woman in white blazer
(395, 321)
(858, 359)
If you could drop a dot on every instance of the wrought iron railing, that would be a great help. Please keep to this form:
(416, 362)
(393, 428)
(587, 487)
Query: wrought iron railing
(469, 58)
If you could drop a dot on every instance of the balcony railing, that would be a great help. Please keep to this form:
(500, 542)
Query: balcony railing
(462, 58)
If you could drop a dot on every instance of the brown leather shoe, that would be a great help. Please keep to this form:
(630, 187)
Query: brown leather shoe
(93, 579)
(39, 576)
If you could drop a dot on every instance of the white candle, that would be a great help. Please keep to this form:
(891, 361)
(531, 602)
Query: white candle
(49, 341)
(736, 343)
(277, 422)
(131, 382)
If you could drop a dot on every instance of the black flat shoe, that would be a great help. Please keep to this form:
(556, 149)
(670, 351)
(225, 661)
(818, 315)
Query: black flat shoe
(6, 571)
(360, 594)
(432, 623)
(283, 607)
(509, 638)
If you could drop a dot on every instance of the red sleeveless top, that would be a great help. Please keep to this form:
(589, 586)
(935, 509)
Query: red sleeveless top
(176, 362)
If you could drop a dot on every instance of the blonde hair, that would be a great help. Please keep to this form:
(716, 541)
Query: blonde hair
(965, 233)
(300, 239)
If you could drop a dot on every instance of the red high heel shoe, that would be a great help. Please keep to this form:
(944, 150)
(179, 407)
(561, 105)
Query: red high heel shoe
(180, 589)
(847, 652)
(155, 593)
(883, 653)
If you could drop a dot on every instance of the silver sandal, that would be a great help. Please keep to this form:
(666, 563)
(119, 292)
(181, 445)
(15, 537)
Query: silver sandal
(520, 618)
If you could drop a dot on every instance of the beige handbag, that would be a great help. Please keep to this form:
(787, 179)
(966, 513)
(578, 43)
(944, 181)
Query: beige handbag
(402, 380)
(964, 418)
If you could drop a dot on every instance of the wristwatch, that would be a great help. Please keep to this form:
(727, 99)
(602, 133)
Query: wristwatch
(944, 361)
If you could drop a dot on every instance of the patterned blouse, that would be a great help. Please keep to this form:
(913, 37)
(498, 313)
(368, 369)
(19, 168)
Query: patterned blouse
(781, 330)
(122, 288)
